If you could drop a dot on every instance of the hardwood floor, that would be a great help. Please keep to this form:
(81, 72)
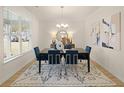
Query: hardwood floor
(108, 74)
(16, 75)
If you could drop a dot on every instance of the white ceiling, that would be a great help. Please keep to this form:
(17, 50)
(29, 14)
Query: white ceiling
(70, 13)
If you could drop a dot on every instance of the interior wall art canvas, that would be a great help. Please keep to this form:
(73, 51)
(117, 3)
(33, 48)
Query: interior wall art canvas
(95, 34)
(111, 31)
(107, 32)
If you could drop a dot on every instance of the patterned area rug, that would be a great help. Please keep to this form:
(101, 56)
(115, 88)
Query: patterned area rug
(60, 75)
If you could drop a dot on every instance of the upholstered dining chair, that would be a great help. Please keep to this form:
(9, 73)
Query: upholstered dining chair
(67, 46)
(88, 49)
(39, 57)
(71, 59)
(37, 53)
(71, 56)
(54, 59)
(54, 56)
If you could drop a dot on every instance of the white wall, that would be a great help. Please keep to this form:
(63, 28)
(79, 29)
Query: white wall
(45, 37)
(110, 59)
(10, 68)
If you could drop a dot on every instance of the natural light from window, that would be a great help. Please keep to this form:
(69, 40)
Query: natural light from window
(16, 31)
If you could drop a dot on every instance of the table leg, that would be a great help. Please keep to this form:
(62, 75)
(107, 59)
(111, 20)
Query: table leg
(39, 66)
(88, 64)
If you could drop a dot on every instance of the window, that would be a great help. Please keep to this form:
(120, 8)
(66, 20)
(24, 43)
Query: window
(16, 31)
(25, 35)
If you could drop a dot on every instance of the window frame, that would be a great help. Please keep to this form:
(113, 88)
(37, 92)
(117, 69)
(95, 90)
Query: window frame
(21, 53)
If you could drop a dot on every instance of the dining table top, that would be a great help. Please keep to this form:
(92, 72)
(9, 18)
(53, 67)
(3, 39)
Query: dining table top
(80, 50)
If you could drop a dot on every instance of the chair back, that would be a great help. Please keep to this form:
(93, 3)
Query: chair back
(88, 49)
(71, 56)
(37, 53)
(54, 56)
(67, 46)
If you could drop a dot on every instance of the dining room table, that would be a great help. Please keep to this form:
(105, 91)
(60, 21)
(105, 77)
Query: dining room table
(82, 55)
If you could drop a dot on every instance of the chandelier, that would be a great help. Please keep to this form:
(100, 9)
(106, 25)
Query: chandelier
(62, 26)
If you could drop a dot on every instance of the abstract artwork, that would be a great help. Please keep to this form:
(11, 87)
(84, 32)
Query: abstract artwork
(95, 34)
(107, 32)
(111, 31)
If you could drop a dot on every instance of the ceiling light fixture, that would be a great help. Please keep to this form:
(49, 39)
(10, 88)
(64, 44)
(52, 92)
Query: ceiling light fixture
(62, 26)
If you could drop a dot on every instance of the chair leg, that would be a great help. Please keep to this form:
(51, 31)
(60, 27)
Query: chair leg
(88, 65)
(39, 66)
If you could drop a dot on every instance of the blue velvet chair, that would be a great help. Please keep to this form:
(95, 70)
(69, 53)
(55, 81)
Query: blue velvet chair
(39, 57)
(67, 46)
(54, 56)
(88, 49)
(37, 53)
(71, 57)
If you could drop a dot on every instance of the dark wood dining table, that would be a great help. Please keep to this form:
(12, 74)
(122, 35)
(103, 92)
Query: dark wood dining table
(82, 55)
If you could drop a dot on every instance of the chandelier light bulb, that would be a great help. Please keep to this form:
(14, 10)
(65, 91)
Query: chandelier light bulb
(66, 25)
(62, 25)
(58, 26)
